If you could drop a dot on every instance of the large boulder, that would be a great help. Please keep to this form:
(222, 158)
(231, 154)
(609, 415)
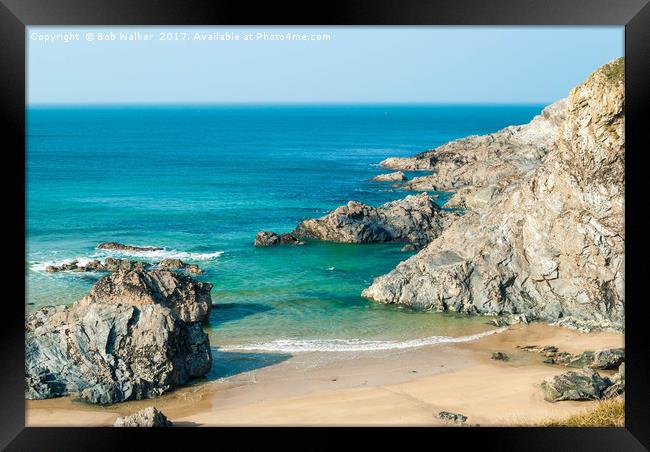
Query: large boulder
(415, 219)
(552, 245)
(609, 358)
(149, 417)
(618, 388)
(137, 334)
(585, 384)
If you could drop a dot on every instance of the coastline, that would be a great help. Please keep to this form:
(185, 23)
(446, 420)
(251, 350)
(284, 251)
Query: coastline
(396, 387)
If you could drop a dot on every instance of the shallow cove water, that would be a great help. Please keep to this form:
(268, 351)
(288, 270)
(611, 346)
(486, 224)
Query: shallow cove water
(200, 181)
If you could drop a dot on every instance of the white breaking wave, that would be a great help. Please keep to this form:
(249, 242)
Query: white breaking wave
(167, 254)
(152, 256)
(353, 345)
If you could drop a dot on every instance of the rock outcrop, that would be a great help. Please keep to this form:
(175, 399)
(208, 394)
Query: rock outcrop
(136, 334)
(115, 246)
(415, 219)
(585, 384)
(177, 264)
(500, 356)
(618, 386)
(397, 176)
(112, 264)
(605, 359)
(481, 166)
(149, 417)
(265, 238)
(455, 418)
(551, 246)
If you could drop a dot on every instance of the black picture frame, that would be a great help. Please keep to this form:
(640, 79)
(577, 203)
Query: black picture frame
(15, 15)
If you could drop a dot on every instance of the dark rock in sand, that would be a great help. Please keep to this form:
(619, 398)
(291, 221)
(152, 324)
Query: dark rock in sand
(265, 238)
(452, 417)
(149, 417)
(121, 247)
(601, 359)
(500, 356)
(608, 358)
(137, 334)
(618, 386)
(585, 384)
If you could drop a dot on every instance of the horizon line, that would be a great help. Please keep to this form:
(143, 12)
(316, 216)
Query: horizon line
(277, 103)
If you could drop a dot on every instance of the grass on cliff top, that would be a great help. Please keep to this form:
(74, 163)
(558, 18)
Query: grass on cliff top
(607, 413)
(615, 71)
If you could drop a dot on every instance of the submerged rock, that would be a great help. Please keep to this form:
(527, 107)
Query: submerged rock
(397, 176)
(121, 247)
(552, 245)
(584, 384)
(265, 238)
(149, 417)
(415, 219)
(136, 334)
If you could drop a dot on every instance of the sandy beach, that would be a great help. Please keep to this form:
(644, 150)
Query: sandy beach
(397, 387)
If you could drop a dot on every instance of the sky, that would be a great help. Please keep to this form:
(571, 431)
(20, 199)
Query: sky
(100, 65)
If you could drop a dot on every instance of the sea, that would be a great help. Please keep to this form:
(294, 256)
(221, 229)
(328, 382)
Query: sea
(202, 180)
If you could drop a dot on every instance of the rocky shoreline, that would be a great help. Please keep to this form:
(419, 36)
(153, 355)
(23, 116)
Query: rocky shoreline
(547, 244)
(542, 236)
(542, 239)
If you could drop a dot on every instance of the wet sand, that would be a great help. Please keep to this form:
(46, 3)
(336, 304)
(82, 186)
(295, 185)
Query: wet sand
(397, 387)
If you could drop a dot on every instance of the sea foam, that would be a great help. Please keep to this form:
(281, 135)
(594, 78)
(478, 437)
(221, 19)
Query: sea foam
(353, 345)
(150, 255)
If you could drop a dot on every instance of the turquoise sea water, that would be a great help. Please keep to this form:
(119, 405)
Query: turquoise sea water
(200, 181)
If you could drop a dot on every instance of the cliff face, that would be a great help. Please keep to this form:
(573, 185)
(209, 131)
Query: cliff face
(551, 244)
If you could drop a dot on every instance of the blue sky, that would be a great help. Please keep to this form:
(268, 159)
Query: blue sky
(356, 64)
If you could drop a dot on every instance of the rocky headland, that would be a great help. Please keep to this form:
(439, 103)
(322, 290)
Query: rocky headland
(550, 245)
(480, 166)
(136, 334)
